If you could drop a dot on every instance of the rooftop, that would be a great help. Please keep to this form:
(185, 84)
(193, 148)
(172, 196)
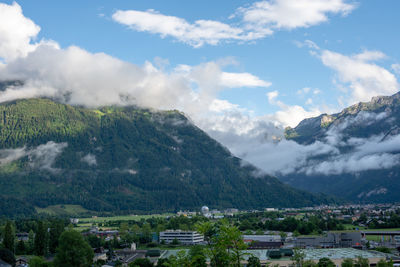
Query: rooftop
(310, 254)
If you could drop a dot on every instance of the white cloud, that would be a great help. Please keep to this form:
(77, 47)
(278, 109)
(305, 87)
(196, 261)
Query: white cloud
(41, 157)
(89, 159)
(16, 32)
(257, 21)
(293, 115)
(197, 34)
(235, 80)
(303, 91)
(290, 115)
(44, 156)
(364, 78)
(10, 155)
(272, 96)
(288, 14)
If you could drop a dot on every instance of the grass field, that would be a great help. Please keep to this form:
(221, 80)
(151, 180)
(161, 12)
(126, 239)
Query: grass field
(96, 219)
(63, 210)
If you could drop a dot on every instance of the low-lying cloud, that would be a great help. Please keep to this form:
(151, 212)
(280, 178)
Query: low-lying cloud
(40, 157)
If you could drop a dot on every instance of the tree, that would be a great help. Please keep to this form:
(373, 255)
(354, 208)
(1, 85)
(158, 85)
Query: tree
(56, 230)
(298, 257)
(175, 242)
(73, 250)
(253, 262)
(37, 261)
(141, 263)
(325, 262)
(229, 237)
(7, 256)
(309, 263)
(31, 242)
(383, 263)
(9, 237)
(361, 262)
(347, 263)
(197, 256)
(40, 245)
(21, 248)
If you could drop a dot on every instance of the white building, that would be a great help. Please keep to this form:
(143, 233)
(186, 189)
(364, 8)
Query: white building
(184, 237)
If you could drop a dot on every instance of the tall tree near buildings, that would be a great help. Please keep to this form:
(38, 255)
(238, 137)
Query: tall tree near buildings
(9, 237)
(231, 238)
(40, 240)
(73, 250)
(31, 242)
(21, 248)
(56, 230)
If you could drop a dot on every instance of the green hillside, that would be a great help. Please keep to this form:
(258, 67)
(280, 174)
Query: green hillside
(123, 160)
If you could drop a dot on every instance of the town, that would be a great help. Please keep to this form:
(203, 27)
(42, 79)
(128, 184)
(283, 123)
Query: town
(359, 235)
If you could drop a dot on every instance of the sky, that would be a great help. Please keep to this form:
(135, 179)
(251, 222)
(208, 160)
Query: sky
(241, 70)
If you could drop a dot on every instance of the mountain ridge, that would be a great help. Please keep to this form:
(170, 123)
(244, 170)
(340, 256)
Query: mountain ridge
(364, 135)
(124, 160)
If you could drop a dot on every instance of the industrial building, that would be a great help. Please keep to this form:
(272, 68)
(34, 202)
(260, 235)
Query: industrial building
(183, 237)
(337, 255)
(330, 240)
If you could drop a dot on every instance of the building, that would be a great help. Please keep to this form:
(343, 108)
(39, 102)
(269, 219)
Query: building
(22, 236)
(331, 240)
(282, 257)
(183, 237)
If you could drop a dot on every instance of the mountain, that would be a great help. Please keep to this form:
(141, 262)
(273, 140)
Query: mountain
(363, 159)
(123, 160)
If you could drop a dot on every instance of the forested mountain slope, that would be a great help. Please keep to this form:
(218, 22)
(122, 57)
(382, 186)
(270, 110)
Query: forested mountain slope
(123, 159)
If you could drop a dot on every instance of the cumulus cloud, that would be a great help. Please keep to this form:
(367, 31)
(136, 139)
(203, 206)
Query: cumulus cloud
(287, 14)
(256, 21)
(16, 32)
(290, 115)
(361, 75)
(41, 157)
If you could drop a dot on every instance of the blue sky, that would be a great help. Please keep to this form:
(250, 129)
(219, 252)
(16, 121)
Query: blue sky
(241, 70)
(371, 25)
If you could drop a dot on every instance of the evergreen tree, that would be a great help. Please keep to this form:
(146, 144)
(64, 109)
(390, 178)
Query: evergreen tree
(56, 230)
(40, 240)
(9, 237)
(21, 248)
(31, 242)
(73, 250)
